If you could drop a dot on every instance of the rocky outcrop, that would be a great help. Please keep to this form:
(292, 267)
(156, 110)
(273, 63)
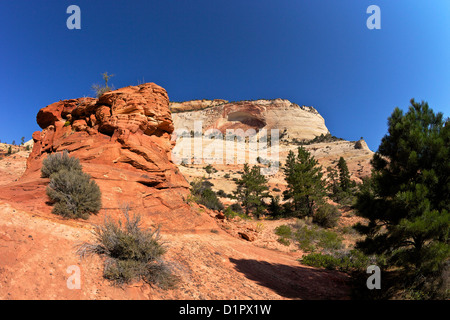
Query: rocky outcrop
(296, 122)
(123, 140)
(361, 144)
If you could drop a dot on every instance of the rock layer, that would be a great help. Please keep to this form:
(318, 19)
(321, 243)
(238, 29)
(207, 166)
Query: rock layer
(123, 141)
(296, 122)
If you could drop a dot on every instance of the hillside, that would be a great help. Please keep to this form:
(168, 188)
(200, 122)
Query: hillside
(123, 141)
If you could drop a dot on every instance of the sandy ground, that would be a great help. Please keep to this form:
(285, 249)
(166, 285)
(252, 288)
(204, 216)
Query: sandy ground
(38, 260)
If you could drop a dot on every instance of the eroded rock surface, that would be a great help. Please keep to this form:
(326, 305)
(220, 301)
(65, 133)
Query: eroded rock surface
(123, 141)
(296, 122)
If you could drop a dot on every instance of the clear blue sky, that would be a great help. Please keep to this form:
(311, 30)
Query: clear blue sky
(317, 53)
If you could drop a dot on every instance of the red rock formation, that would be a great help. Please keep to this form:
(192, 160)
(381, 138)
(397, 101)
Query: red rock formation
(123, 141)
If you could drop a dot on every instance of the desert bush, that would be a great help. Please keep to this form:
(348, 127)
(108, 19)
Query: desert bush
(346, 261)
(326, 216)
(71, 190)
(283, 231)
(221, 193)
(132, 252)
(58, 161)
(74, 193)
(311, 238)
(203, 194)
(101, 89)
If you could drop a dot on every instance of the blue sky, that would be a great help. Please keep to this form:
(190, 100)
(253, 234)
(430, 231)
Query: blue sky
(317, 53)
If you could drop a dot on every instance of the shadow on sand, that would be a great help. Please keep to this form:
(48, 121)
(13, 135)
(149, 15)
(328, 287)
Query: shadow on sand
(296, 282)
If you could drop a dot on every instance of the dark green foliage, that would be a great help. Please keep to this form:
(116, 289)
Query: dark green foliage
(133, 253)
(203, 194)
(57, 161)
(344, 176)
(326, 215)
(310, 238)
(305, 187)
(283, 231)
(235, 210)
(346, 261)
(251, 189)
(74, 193)
(209, 170)
(341, 189)
(407, 201)
(275, 209)
(221, 193)
(322, 138)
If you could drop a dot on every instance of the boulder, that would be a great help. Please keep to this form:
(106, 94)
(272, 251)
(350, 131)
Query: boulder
(123, 140)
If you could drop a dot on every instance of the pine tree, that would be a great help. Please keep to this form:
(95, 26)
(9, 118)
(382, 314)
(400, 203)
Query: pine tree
(334, 187)
(251, 190)
(407, 201)
(305, 187)
(344, 175)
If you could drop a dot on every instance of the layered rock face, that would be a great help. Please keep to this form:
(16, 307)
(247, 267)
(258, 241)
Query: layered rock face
(123, 141)
(302, 123)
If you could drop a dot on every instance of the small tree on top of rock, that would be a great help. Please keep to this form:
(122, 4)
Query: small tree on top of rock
(99, 89)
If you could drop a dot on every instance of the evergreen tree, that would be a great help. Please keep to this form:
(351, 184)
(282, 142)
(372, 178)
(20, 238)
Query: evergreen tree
(344, 175)
(305, 187)
(334, 186)
(407, 200)
(251, 189)
(275, 208)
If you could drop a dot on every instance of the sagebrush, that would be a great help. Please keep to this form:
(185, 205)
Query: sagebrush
(73, 193)
(132, 252)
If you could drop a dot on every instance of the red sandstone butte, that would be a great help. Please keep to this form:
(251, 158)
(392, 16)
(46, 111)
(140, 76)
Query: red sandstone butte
(123, 141)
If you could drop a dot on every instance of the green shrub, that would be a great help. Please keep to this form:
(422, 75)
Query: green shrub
(133, 253)
(58, 161)
(346, 261)
(320, 260)
(311, 238)
(203, 194)
(74, 193)
(235, 210)
(326, 216)
(284, 241)
(283, 231)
